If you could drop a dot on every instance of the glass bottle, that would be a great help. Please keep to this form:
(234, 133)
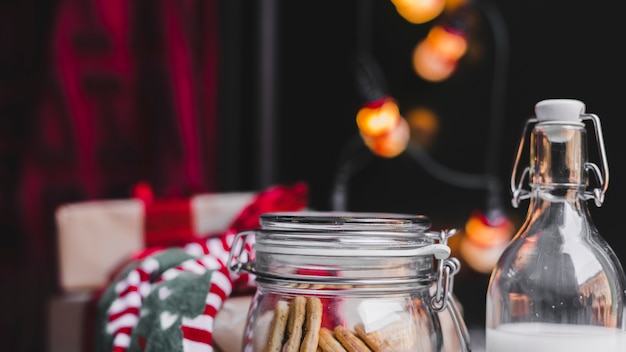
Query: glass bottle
(558, 286)
(373, 281)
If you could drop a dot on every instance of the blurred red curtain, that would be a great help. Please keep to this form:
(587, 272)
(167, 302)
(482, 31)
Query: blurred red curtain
(96, 96)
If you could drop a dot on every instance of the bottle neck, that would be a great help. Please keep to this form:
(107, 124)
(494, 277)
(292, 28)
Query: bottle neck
(558, 178)
(558, 156)
(559, 202)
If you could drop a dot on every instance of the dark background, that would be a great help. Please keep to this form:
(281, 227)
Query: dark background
(557, 49)
(287, 103)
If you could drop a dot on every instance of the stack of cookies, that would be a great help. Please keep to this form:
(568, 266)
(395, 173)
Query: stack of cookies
(296, 326)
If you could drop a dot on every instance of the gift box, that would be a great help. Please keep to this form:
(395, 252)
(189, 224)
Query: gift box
(96, 237)
(102, 243)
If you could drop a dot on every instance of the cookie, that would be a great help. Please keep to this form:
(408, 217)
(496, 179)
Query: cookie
(328, 342)
(277, 327)
(297, 312)
(400, 335)
(313, 325)
(373, 339)
(349, 340)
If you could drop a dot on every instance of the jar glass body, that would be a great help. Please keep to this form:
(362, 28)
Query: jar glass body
(383, 317)
(558, 285)
(365, 280)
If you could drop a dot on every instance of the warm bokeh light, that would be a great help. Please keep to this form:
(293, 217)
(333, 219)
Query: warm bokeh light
(424, 125)
(419, 11)
(436, 57)
(391, 143)
(385, 132)
(452, 5)
(484, 241)
(431, 66)
(448, 42)
(378, 118)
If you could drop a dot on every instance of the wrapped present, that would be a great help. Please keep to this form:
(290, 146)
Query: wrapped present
(168, 298)
(96, 237)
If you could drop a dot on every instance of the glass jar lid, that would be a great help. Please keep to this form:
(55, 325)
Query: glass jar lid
(345, 246)
(347, 234)
(345, 221)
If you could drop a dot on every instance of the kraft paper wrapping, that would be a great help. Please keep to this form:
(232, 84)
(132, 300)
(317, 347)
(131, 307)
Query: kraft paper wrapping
(95, 237)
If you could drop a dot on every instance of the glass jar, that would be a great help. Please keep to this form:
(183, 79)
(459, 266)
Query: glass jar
(371, 281)
(558, 285)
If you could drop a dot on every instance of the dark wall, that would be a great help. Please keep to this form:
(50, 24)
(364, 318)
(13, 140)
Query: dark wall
(557, 49)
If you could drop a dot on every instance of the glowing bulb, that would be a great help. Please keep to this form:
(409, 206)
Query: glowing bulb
(452, 5)
(484, 241)
(391, 143)
(436, 57)
(431, 66)
(449, 43)
(424, 125)
(378, 117)
(419, 11)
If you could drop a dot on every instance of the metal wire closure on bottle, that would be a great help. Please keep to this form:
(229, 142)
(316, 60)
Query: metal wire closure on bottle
(602, 178)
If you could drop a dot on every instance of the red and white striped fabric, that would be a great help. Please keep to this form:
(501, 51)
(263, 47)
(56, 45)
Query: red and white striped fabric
(167, 298)
(125, 311)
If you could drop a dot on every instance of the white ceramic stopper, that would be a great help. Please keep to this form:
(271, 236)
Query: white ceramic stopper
(559, 110)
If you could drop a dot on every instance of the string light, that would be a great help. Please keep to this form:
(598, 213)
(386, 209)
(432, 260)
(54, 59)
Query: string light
(429, 65)
(392, 143)
(419, 11)
(384, 131)
(435, 58)
(424, 125)
(484, 240)
(449, 43)
(378, 117)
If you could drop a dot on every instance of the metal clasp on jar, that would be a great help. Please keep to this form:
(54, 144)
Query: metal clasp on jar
(238, 260)
(446, 269)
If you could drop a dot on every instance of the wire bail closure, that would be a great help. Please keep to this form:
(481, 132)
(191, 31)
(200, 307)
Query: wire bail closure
(446, 269)
(602, 177)
(239, 260)
(439, 301)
